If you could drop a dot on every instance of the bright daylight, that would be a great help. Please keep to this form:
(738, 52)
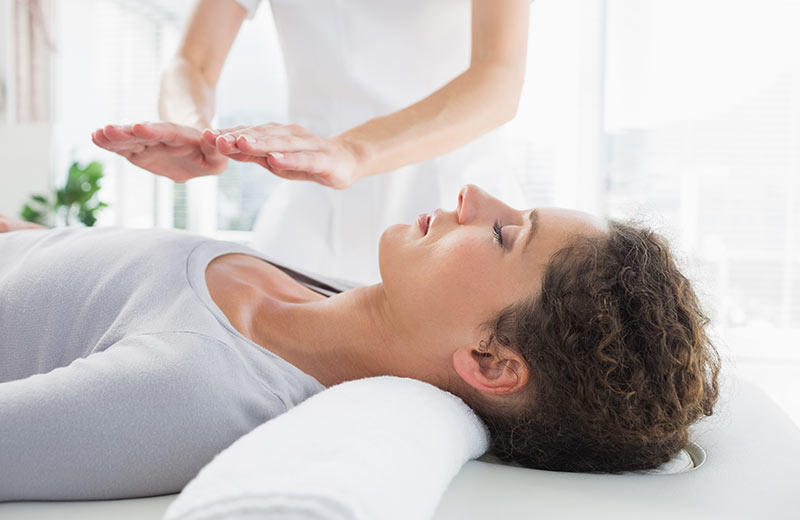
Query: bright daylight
(399, 259)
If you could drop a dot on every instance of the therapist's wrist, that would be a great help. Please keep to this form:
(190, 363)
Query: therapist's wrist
(185, 96)
(361, 153)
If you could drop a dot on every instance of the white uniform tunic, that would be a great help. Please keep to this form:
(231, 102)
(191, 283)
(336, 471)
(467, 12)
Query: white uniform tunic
(348, 61)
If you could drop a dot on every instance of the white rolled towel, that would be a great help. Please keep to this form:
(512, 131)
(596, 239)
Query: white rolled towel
(381, 448)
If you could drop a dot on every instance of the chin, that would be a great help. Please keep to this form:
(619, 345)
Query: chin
(390, 248)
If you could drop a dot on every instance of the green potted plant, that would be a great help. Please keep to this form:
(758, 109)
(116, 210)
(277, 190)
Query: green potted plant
(77, 200)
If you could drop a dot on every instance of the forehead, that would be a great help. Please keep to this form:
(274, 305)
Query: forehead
(554, 228)
(570, 222)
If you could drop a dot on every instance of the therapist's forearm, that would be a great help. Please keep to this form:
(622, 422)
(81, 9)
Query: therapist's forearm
(477, 101)
(188, 84)
(186, 97)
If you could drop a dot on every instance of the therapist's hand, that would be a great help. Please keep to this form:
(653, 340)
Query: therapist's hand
(291, 152)
(167, 149)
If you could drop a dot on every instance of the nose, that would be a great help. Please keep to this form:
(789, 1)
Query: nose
(470, 198)
(475, 204)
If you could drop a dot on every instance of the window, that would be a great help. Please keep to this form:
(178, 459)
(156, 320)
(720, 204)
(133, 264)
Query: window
(703, 129)
(251, 90)
(107, 64)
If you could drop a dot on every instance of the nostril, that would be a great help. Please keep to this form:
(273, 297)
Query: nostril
(460, 208)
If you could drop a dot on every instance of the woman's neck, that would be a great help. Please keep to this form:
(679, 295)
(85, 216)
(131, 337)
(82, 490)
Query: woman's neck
(348, 336)
(351, 335)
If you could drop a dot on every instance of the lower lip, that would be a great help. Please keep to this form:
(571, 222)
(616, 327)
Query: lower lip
(423, 223)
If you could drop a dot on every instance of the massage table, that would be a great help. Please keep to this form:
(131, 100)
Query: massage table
(745, 466)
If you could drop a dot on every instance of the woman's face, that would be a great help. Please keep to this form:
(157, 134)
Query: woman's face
(450, 271)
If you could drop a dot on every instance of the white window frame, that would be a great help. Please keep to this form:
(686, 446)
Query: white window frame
(6, 24)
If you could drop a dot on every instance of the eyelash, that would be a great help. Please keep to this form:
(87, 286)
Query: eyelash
(497, 231)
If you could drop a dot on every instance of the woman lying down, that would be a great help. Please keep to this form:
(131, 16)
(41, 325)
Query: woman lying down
(129, 358)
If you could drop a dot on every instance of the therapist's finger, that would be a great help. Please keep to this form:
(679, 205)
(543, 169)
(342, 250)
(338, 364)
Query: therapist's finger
(100, 139)
(135, 151)
(267, 135)
(310, 162)
(119, 133)
(271, 162)
(210, 135)
(233, 129)
(283, 144)
(257, 159)
(166, 133)
(226, 144)
(264, 130)
(121, 139)
(148, 131)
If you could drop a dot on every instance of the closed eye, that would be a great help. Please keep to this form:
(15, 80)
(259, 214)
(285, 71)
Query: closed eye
(497, 231)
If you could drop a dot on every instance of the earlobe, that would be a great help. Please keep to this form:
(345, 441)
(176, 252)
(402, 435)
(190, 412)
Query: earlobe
(490, 372)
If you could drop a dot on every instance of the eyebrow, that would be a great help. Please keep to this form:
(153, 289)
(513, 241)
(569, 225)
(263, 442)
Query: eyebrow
(534, 219)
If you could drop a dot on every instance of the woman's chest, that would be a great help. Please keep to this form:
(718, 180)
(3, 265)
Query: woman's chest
(242, 287)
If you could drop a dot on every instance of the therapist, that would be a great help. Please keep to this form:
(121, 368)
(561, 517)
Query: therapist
(381, 93)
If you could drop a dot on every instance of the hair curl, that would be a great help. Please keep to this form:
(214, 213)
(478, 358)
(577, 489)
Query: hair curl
(620, 362)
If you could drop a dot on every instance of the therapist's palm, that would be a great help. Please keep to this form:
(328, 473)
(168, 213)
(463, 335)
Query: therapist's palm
(167, 149)
(291, 152)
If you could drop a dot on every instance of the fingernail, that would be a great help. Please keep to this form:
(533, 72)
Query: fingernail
(229, 138)
(213, 132)
(277, 155)
(249, 139)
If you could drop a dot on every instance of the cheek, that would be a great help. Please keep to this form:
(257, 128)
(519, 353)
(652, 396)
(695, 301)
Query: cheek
(448, 288)
(467, 266)
(466, 281)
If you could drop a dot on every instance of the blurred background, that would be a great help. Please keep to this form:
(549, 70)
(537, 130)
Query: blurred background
(684, 114)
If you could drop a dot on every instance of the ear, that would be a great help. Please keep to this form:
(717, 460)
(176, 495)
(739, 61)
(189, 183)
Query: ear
(497, 372)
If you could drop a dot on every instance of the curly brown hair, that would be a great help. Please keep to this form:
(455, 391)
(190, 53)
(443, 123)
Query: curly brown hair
(620, 362)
